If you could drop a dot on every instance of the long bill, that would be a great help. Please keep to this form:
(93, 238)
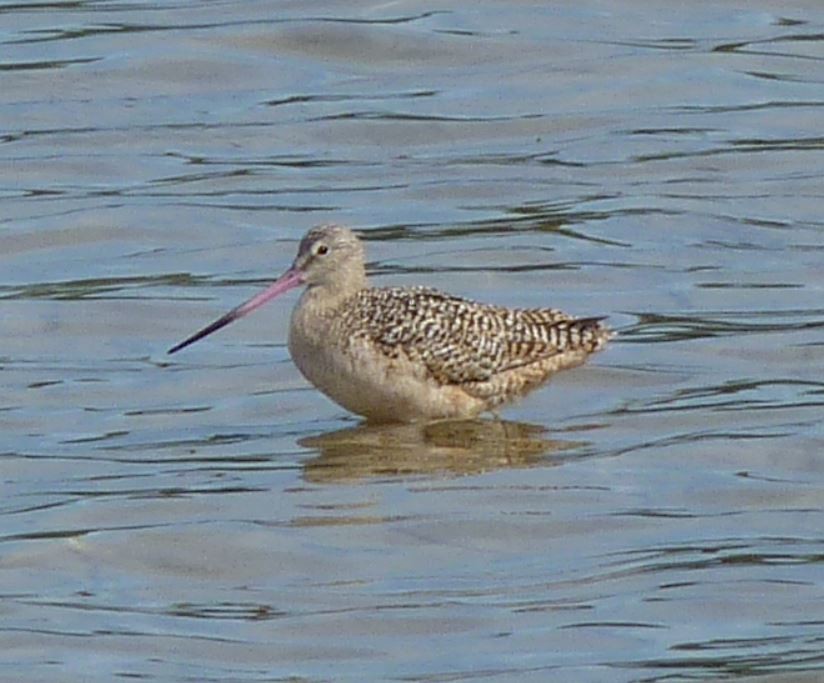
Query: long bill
(289, 280)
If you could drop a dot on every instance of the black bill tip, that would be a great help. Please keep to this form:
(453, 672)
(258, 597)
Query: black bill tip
(216, 325)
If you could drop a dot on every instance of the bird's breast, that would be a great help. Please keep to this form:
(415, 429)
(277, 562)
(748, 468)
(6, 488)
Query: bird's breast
(363, 377)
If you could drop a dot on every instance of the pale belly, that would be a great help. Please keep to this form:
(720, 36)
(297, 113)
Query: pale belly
(379, 388)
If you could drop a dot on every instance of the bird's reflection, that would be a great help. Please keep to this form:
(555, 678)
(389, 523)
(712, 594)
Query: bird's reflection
(448, 448)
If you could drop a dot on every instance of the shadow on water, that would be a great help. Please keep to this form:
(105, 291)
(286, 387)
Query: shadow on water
(450, 448)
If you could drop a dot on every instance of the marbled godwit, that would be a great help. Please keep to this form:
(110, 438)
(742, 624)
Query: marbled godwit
(401, 354)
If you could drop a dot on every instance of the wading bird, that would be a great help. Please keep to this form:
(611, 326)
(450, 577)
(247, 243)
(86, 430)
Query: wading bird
(403, 354)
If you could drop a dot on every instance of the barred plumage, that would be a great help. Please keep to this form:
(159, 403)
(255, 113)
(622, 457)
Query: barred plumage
(409, 353)
(459, 340)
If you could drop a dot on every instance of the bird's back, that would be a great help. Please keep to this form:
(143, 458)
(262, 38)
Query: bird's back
(479, 347)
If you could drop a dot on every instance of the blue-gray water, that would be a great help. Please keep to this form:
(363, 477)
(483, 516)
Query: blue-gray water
(654, 516)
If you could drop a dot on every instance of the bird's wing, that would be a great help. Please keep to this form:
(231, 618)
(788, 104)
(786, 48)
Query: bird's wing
(460, 341)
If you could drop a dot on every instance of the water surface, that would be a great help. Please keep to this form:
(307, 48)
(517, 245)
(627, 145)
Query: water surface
(654, 516)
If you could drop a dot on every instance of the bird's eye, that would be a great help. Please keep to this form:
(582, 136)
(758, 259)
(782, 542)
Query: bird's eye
(322, 250)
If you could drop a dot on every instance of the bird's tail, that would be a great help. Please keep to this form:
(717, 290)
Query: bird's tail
(586, 333)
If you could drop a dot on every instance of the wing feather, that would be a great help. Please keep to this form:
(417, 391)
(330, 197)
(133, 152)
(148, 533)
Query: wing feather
(460, 341)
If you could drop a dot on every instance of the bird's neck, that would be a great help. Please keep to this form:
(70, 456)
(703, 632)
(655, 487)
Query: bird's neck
(326, 297)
